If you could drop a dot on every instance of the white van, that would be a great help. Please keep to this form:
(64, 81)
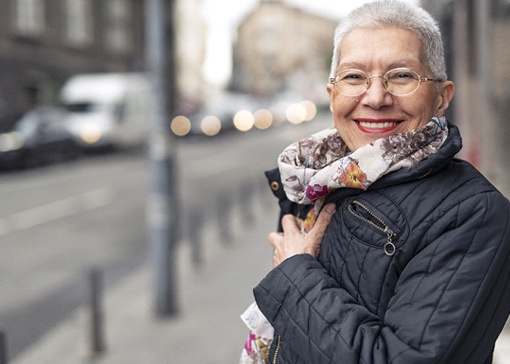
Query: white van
(108, 109)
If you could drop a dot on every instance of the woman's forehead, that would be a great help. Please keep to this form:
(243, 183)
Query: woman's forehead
(395, 46)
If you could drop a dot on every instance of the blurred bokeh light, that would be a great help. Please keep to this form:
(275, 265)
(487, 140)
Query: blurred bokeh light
(180, 125)
(263, 119)
(244, 120)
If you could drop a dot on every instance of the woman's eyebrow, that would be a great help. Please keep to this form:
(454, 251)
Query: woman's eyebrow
(405, 62)
(351, 65)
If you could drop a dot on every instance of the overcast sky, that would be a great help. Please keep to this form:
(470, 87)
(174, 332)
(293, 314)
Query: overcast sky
(223, 17)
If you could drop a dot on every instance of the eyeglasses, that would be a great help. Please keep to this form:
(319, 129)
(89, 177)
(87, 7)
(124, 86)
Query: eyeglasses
(398, 81)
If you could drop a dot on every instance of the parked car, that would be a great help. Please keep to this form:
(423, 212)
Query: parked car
(108, 109)
(37, 137)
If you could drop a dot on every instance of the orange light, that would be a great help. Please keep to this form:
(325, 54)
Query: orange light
(180, 125)
(263, 119)
(210, 125)
(311, 109)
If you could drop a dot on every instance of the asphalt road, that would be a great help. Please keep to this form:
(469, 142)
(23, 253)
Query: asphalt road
(59, 222)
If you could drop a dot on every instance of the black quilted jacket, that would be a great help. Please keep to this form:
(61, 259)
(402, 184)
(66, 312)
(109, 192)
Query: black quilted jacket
(414, 270)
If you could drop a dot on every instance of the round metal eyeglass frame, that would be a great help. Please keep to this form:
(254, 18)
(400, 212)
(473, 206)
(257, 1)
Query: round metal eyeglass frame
(360, 81)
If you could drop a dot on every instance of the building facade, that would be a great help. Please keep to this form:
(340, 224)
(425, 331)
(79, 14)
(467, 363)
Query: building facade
(191, 51)
(478, 55)
(280, 47)
(44, 42)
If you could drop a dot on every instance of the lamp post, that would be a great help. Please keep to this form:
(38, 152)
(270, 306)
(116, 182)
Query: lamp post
(162, 201)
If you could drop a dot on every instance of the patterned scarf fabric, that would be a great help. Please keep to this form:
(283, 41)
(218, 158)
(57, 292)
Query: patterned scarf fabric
(315, 166)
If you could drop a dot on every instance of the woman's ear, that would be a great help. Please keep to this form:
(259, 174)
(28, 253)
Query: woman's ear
(445, 96)
(331, 90)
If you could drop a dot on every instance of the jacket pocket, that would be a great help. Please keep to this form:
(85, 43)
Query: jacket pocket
(382, 226)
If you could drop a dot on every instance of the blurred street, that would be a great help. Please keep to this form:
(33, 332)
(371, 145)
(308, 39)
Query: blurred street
(212, 296)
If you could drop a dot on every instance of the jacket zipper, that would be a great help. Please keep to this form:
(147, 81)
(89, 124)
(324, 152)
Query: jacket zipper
(389, 247)
(426, 174)
(276, 349)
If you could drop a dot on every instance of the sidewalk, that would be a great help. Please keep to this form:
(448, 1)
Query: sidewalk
(212, 296)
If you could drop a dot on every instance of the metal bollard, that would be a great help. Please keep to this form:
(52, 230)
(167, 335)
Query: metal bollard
(223, 213)
(246, 202)
(3, 348)
(96, 314)
(195, 236)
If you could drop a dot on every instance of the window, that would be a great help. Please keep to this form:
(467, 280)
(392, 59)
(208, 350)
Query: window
(119, 23)
(501, 8)
(78, 21)
(29, 16)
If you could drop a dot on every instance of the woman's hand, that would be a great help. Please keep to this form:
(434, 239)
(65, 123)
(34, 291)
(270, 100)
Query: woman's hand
(292, 241)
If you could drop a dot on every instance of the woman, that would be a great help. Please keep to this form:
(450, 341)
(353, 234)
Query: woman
(409, 260)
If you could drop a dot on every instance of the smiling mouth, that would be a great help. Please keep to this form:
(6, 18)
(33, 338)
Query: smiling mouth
(377, 125)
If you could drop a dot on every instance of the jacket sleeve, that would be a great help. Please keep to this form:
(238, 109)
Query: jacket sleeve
(450, 303)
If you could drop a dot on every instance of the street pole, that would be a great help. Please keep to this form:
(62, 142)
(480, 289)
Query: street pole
(162, 203)
(491, 130)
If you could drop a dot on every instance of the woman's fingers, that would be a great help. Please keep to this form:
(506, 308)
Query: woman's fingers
(292, 241)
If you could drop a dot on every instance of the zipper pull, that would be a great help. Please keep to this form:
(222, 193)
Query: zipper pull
(389, 247)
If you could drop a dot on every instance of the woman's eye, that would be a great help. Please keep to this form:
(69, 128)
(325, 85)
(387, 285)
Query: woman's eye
(401, 76)
(353, 77)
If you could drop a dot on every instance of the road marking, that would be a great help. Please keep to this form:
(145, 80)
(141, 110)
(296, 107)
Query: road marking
(52, 211)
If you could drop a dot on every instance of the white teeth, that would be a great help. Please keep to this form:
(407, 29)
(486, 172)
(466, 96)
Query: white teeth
(377, 125)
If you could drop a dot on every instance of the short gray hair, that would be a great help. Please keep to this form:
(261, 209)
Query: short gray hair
(396, 14)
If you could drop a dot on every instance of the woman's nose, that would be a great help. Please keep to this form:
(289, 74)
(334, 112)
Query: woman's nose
(377, 96)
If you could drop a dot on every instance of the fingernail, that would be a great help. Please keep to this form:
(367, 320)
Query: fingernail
(330, 207)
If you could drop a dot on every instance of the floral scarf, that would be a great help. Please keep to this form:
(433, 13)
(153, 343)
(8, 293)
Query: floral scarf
(315, 166)
(260, 337)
